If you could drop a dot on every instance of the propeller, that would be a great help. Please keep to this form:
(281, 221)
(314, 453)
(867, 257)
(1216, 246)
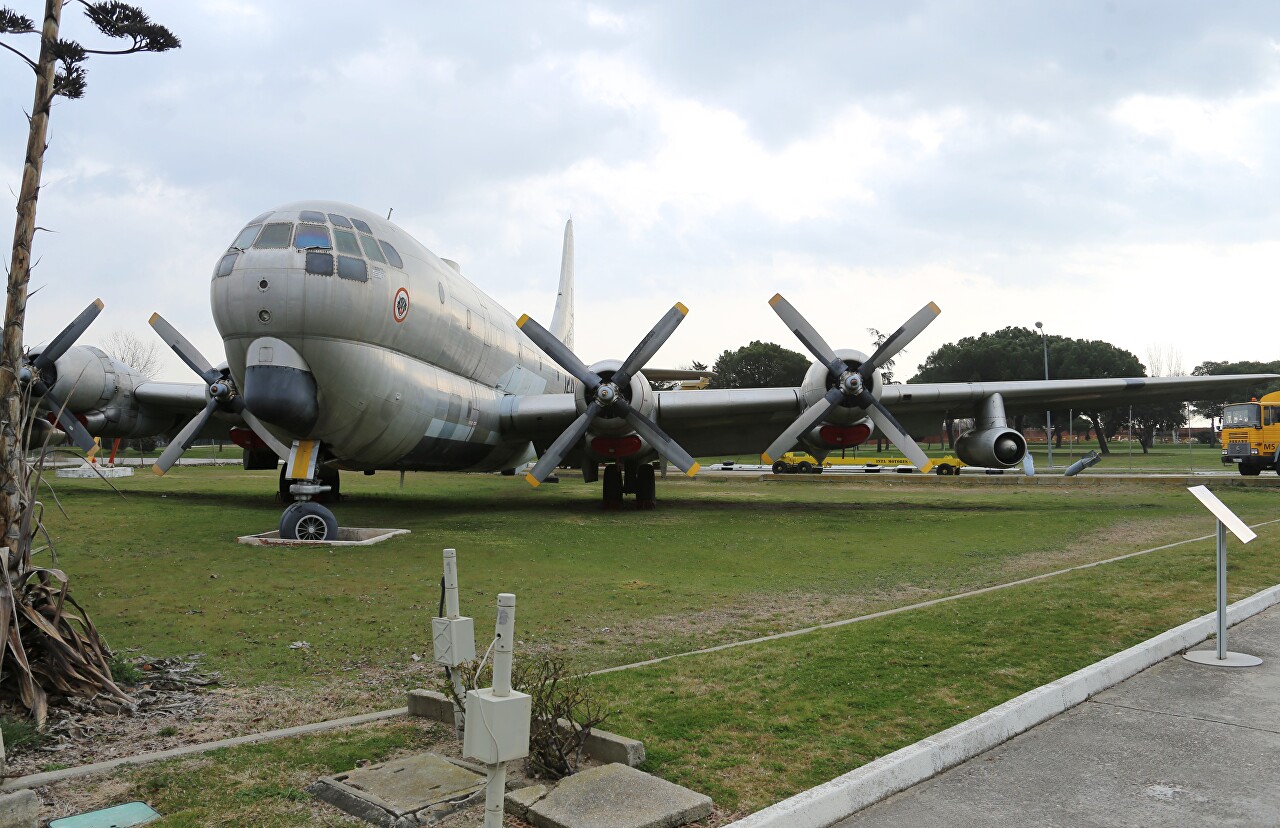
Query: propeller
(223, 395)
(40, 375)
(606, 395)
(851, 385)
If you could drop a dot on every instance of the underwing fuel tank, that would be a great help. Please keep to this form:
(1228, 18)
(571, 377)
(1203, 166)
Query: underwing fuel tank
(279, 386)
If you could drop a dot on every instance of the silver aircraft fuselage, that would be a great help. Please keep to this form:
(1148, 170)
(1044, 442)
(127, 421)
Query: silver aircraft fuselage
(408, 362)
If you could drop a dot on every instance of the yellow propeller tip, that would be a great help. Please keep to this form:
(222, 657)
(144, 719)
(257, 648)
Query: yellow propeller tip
(693, 469)
(159, 472)
(524, 317)
(533, 481)
(153, 319)
(777, 297)
(934, 307)
(681, 307)
(98, 303)
(928, 467)
(768, 461)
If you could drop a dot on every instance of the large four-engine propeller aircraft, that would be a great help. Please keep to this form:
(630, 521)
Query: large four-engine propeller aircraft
(350, 346)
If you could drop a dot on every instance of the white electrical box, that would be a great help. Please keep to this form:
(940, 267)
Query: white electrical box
(497, 726)
(453, 640)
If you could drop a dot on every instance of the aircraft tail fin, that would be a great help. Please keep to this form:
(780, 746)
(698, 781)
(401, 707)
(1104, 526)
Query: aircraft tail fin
(562, 319)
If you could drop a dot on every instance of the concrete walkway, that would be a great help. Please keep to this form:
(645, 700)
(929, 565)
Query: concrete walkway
(1176, 745)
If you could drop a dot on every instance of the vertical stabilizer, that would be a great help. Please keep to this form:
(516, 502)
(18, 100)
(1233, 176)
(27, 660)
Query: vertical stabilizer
(562, 319)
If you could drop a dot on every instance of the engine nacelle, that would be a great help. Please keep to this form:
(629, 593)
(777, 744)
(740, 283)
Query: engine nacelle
(99, 390)
(997, 448)
(638, 393)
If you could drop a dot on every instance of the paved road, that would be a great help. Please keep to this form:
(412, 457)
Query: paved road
(1176, 745)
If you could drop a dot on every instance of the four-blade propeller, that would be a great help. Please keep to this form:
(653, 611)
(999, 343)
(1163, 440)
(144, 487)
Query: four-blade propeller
(38, 372)
(606, 395)
(222, 395)
(851, 385)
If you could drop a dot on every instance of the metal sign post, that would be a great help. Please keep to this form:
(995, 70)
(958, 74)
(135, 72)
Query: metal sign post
(1227, 519)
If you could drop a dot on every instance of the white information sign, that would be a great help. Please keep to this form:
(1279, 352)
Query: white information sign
(1222, 513)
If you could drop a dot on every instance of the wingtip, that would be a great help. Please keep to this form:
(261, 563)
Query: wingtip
(532, 481)
(524, 317)
(693, 469)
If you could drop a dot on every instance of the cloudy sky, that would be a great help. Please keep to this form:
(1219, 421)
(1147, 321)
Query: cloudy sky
(1101, 166)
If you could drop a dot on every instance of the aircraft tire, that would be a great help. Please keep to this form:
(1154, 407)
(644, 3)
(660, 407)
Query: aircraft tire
(612, 486)
(308, 520)
(646, 487)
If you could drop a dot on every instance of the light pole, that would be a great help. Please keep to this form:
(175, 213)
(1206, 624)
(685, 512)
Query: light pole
(1048, 420)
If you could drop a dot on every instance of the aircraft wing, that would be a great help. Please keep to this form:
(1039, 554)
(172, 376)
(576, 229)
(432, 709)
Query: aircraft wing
(744, 421)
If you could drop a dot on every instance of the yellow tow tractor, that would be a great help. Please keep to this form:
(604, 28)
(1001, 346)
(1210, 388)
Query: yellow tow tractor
(798, 462)
(1251, 435)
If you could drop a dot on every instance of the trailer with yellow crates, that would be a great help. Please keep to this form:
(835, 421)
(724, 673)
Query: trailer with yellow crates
(798, 462)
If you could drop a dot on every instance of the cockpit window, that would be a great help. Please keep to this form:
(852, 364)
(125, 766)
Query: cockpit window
(339, 221)
(275, 236)
(1244, 415)
(225, 264)
(371, 249)
(392, 255)
(320, 264)
(347, 242)
(312, 216)
(362, 226)
(352, 268)
(311, 235)
(246, 237)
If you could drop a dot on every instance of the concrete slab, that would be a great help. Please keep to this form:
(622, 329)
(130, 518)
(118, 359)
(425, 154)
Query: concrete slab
(518, 801)
(19, 810)
(101, 471)
(347, 536)
(1175, 745)
(617, 796)
(416, 790)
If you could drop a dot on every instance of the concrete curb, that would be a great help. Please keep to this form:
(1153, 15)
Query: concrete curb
(845, 795)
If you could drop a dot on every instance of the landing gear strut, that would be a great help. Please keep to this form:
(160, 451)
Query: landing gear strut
(639, 479)
(303, 481)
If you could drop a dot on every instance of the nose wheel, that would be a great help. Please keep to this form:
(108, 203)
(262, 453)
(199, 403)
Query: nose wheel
(308, 521)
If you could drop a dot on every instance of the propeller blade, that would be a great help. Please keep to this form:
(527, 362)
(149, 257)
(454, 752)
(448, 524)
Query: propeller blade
(664, 445)
(68, 337)
(558, 351)
(184, 349)
(568, 438)
(67, 421)
(650, 344)
(185, 438)
(893, 430)
(281, 450)
(900, 338)
(807, 420)
(808, 335)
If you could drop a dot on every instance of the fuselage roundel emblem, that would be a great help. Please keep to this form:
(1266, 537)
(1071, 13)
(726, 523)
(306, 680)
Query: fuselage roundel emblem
(400, 307)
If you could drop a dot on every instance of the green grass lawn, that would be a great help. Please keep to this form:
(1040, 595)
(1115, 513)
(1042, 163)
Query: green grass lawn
(721, 560)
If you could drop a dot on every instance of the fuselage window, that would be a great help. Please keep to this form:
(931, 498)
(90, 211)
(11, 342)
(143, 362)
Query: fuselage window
(246, 237)
(275, 236)
(362, 226)
(320, 264)
(347, 242)
(312, 216)
(311, 235)
(352, 268)
(371, 249)
(339, 221)
(392, 255)
(226, 263)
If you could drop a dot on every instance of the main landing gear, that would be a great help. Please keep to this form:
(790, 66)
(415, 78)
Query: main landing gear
(638, 479)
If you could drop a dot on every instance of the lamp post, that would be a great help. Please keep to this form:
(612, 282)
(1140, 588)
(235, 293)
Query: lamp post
(1048, 421)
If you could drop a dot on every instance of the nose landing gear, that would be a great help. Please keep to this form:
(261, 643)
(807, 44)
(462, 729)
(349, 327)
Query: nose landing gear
(305, 479)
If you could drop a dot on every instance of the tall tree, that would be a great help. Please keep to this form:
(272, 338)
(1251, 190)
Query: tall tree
(1213, 408)
(759, 365)
(66, 660)
(142, 355)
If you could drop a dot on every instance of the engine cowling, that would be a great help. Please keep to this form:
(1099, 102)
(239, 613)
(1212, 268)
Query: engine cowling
(638, 393)
(997, 448)
(99, 390)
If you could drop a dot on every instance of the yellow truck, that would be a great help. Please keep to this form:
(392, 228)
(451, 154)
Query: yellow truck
(1251, 434)
(798, 462)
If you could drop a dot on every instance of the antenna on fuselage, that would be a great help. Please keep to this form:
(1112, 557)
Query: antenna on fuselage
(389, 209)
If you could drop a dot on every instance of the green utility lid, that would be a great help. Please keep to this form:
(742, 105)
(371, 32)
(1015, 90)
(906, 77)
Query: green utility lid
(121, 816)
